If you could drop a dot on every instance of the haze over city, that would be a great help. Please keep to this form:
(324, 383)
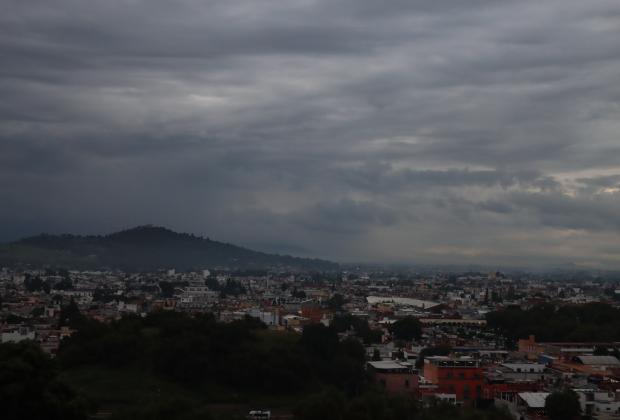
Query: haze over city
(393, 132)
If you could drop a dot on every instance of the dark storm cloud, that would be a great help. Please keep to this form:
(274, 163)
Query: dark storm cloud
(401, 131)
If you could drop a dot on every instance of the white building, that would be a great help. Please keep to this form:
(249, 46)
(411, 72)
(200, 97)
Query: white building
(81, 297)
(599, 404)
(19, 334)
(197, 297)
(270, 318)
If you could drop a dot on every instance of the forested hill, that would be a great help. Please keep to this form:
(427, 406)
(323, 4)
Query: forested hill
(144, 248)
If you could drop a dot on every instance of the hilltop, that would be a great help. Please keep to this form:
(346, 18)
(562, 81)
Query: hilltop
(144, 248)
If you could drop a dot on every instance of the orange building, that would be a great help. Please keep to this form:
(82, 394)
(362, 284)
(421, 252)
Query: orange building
(462, 377)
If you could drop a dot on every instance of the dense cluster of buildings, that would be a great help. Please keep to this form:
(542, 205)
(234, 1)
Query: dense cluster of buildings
(475, 367)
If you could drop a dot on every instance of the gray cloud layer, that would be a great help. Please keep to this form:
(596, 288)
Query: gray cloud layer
(400, 131)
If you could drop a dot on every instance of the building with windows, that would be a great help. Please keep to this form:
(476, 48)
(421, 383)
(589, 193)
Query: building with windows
(461, 376)
(17, 334)
(599, 404)
(396, 377)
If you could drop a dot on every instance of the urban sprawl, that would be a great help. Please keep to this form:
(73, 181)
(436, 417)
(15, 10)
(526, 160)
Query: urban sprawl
(457, 356)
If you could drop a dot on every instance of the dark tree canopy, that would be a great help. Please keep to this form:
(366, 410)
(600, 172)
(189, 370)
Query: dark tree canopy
(30, 389)
(331, 404)
(336, 302)
(407, 329)
(342, 323)
(198, 351)
(70, 315)
(320, 341)
(33, 284)
(589, 322)
(563, 406)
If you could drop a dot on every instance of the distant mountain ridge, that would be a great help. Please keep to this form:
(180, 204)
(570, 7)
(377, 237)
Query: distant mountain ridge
(144, 248)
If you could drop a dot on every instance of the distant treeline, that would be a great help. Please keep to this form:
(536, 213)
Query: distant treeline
(548, 322)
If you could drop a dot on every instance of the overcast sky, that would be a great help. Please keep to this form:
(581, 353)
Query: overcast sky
(409, 131)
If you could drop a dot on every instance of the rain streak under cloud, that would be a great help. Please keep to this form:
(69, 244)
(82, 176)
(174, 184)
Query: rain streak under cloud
(397, 131)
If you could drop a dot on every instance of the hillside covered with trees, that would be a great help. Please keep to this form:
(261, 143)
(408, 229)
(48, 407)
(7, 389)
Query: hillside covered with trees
(144, 248)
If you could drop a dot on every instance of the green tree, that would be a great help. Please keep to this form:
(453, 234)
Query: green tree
(70, 315)
(103, 294)
(33, 284)
(601, 351)
(563, 405)
(64, 284)
(342, 323)
(46, 287)
(212, 283)
(328, 405)
(407, 329)
(589, 322)
(37, 312)
(335, 302)
(174, 409)
(298, 294)
(30, 389)
(319, 340)
(233, 288)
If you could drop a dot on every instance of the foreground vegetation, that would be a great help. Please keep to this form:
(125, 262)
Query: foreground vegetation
(173, 366)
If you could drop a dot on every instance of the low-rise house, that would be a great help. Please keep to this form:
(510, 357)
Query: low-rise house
(599, 404)
(395, 377)
(17, 334)
(530, 404)
(522, 371)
